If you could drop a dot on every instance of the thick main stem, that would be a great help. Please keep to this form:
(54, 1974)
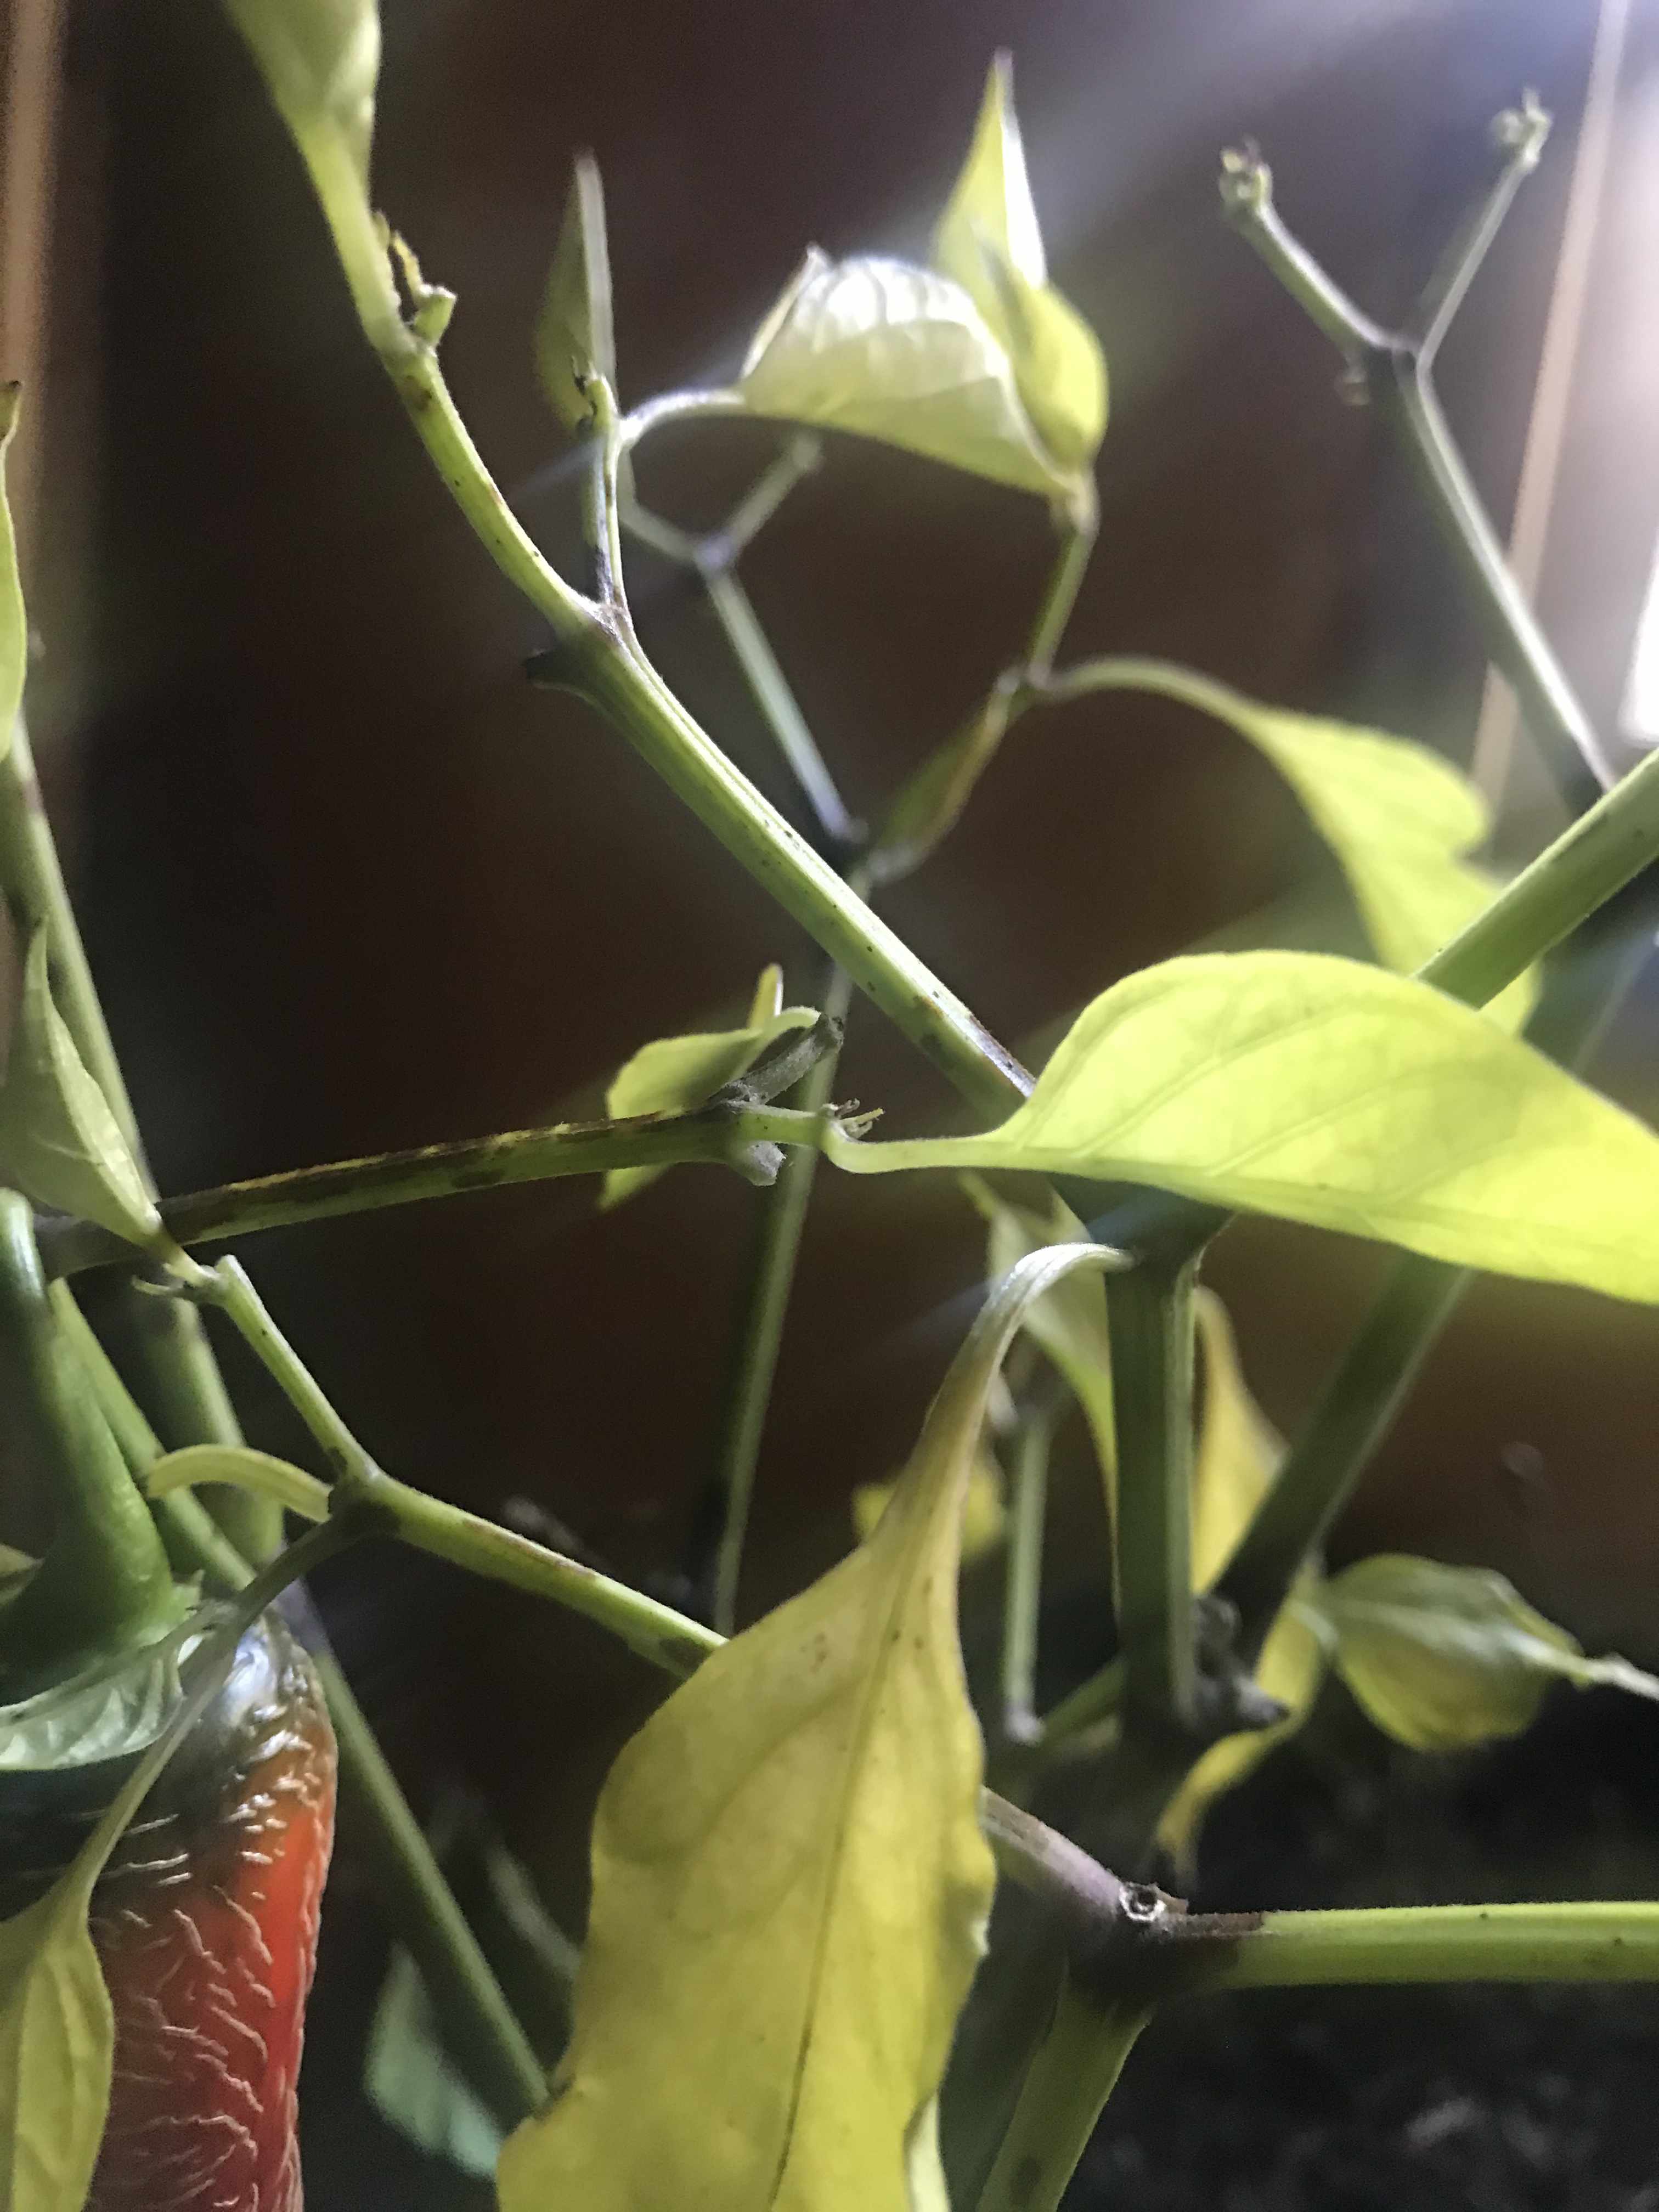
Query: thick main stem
(1073, 2072)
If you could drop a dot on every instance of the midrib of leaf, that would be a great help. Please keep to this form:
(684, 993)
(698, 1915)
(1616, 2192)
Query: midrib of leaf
(847, 1793)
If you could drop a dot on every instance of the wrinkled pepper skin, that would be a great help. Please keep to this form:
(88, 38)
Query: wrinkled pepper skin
(205, 1923)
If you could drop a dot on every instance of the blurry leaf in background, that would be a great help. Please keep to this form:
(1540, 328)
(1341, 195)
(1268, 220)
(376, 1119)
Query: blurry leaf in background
(988, 241)
(14, 618)
(1238, 1451)
(574, 334)
(790, 1851)
(984, 1513)
(672, 1074)
(887, 351)
(59, 1143)
(414, 2084)
(1327, 1091)
(1441, 1657)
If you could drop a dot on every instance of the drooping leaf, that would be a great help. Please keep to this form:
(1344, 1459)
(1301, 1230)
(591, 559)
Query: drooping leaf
(984, 1512)
(672, 1074)
(890, 351)
(1238, 1451)
(413, 2083)
(14, 619)
(791, 1848)
(988, 241)
(1444, 1656)
(321, 61)
(285, 1485)
(574, 334)
(1070, 1322)
(1327, 1091)
(59, 1143)
(1397, 817)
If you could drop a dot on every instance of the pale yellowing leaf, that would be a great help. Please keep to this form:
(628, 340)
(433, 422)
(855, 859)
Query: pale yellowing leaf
(574, 334)
(670, 1075)
(1398, 818)
(886, 350)
(14, 621)
(1237, 1454)
(790, 1886)
(1331, 1092)
(984, 1511)
(1069, 1323)
(988, 241)
(283, 1484)
(60, 1145)
(1237, 1449)
(1441, 1657)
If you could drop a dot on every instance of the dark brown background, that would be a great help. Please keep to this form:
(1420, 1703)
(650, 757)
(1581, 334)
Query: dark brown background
(349, 883)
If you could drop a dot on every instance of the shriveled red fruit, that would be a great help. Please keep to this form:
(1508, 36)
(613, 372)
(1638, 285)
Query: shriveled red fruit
(205, 1923)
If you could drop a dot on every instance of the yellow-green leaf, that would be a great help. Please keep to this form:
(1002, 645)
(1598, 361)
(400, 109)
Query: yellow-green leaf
(1327, 1091)
(1444, 1656)
(1070, 1322)
(984, 1510)
(285, 1485)
(13, 620)
(59, 1143)
(670, 1075)
(320, 60)
(989, 242)
(789, 1854)
(574, 335)
(57, 2051)
(889, 351)
(1398, 819)
(1238, 1451)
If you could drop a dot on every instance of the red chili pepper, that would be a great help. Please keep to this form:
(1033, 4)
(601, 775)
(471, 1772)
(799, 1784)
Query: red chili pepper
(205, 1923)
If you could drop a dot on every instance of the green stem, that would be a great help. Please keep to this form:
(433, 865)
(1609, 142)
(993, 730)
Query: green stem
(1396, 369)
(1058, 601)
(605, 663)
(236, 1298)
(1576, 1942)
(1022, 1601)
(1355, 1412)
(104, 1583)
(668, 1640)
(780, 710)
(166, 1346)
(760, 1331)
(722, 1135)
(1519, 136)
(421, 1907)
(1150, 1313)
(1073, 2072)
(1098, 1699)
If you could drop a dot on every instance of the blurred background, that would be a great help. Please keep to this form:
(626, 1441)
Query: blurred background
(349, 883)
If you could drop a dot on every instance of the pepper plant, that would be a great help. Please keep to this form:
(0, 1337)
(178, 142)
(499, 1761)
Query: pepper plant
(784, 1998)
